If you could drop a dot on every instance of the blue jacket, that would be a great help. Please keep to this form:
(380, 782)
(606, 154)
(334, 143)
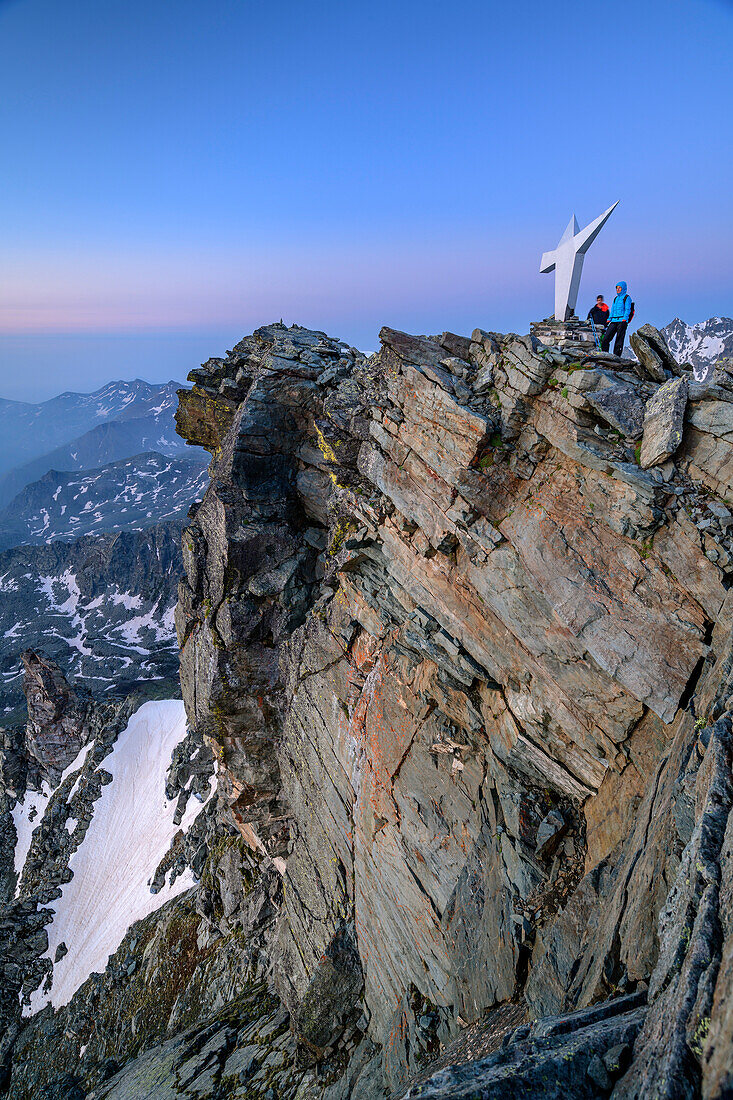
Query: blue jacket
(621, 307)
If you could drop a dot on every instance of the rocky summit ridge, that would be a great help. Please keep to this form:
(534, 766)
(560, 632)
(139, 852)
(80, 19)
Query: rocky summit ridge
(456, 619)
(456, 622)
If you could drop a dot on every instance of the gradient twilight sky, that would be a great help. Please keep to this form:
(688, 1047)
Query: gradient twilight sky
(175, 173)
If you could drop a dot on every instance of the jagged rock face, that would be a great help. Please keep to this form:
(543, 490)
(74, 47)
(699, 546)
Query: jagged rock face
(251, 553)
(446, 634)
(181, 1008)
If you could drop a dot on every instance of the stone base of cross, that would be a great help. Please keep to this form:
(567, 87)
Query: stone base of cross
(569, 334)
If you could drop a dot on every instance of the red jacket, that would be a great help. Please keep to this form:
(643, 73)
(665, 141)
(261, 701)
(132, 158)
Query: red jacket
(599, 313)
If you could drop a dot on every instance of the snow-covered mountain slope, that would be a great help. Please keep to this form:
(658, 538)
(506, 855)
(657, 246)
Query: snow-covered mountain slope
(101, 607)
(700, 344)
(101, 844)
(128, 908)
(29, 431)
(108, 442)
(117, 851)
(132, 494)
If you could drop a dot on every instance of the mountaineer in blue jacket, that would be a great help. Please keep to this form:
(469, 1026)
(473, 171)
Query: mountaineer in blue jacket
(618, 319)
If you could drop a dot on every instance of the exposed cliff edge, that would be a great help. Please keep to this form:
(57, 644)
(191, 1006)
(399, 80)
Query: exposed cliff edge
(456, 619)
(456, 623)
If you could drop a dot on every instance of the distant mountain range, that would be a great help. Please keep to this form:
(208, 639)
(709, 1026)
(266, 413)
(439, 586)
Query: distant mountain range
(132, 494)
(82, 431)
(101, 607)
(94, 489)
(702, 343)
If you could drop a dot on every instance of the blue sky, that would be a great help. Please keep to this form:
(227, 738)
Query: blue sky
(176, 173)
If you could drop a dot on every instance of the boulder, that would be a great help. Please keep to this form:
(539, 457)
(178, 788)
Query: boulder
(458, 346)
(664, 419)
(651, 364)
(620, 407)
(657, 341)
(551, 830)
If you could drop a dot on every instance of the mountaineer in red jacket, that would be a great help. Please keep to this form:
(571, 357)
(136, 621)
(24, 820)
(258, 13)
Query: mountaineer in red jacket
(599, 312)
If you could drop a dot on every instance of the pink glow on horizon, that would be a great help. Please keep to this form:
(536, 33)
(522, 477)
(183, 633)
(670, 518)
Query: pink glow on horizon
(187, 289)
(102, 296)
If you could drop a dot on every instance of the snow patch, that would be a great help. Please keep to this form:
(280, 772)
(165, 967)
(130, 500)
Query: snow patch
(710, 346)
(150, 621)
(27, 815)
(132, 603)
(130, 832)
(77, 764)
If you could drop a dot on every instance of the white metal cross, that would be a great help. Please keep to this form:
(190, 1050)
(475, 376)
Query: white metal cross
(567, 262)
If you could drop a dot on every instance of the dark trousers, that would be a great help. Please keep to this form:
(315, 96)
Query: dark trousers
(617, 329)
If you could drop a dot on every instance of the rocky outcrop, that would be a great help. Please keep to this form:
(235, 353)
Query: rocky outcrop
(578, 1055)
(61, 720)
(464, 660)
(57, 724)
(174, 1014)
(457, 653)
(652, 351)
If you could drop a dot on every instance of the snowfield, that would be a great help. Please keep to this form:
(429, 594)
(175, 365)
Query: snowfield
(26, 816)
(130, 833)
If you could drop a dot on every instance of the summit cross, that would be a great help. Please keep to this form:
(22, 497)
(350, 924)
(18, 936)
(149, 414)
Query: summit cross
(567, 262)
